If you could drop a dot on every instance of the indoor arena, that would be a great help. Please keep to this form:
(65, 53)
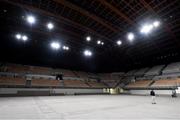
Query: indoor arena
(90, 59)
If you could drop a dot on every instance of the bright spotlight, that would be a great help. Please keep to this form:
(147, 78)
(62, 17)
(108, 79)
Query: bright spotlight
(102, 43)
(88, 38)
(146, 29)
(98, 42)
(130, 37)
(156, 23)
(65, 48)
(87, 53)
(18, 36)
(31, 19)
(50, 26)
(24, 38)
(119, 42)
(55, 45)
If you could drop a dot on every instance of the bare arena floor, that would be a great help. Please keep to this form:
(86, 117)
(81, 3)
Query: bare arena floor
(92, 107)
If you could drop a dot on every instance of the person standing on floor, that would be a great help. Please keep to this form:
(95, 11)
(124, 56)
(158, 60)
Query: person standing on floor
(153, 96)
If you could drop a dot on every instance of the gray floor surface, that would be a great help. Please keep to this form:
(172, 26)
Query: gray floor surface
(92, 107)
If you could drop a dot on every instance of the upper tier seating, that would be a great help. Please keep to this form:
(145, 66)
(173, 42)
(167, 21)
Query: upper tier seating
(141, 71)
(40, 70)
(117, 76)
(166, 83)
(75, 83)
(105, 76)
(44, 82)
(111, 83)
(16, 68)
(81, 74)
(118, 73)
(66, 73)
(130, 73)
(156, 70)
(139, 84)
(172, 68)
(12, 81)
(96, 84)
(92, 75)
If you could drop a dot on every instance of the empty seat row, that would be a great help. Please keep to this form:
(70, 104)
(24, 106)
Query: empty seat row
(94, 84)
(12, 81)
(75, 83)
(16, 68)
(66, 73)
(172, 68)
(166, 83)
(130, 73)
(105, 76)
(141, 72)
(111, 83)
(44, 82)
(139, 84)
(81, 74)
(156, 70)
(163, 83)
(20, 81)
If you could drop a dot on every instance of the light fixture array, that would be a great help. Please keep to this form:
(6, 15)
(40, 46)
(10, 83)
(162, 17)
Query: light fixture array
(145, 29)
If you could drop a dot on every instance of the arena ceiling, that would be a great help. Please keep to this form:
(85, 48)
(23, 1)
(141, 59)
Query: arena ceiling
(105, 20)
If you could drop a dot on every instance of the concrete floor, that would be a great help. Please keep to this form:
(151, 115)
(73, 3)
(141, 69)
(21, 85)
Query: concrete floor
(89, 107)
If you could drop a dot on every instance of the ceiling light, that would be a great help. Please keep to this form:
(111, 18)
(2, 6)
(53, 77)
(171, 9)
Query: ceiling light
(146, 29)
(65, 48)
(156, 23)
(31, 19)
(130, 37)
(5, 10)
(102, 43)
(18, 36)
(24, 38)
(55, 45)
(88, 38)
(87, 53)
(50, 26)
(119, 42)
(98, 42)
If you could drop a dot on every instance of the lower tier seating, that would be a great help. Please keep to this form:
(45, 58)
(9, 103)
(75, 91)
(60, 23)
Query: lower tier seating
(12, 81)
(166, 83)
(75, 83)
(139, 84)
(96, 84)
(44, 82)
(111, 83)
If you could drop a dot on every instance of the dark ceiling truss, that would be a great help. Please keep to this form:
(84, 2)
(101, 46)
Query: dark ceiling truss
(55, 14)
(64, 21)
(99, 10)
(144, 14)
(110, 20)
(154, 42)
(94, 20)
(86, 13)
(72, 40)
(147, 6)
(124, 5)
(117, 11)
(67, 4)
